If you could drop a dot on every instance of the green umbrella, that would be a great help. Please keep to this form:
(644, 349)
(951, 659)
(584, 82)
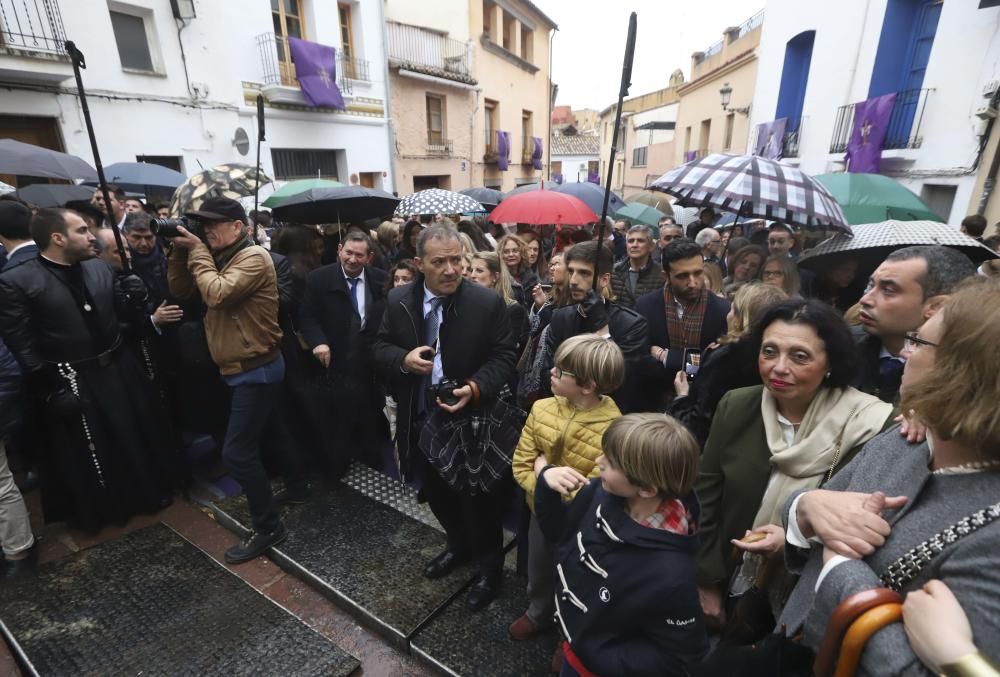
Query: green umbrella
(872, 198)
(636, 212)
(295, 187)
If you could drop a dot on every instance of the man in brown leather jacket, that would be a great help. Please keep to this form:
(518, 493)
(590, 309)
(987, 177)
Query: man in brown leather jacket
(238, 284)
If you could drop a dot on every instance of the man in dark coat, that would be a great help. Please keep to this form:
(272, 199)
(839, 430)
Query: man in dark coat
(904, 291)
(591, 313)
(439, 328)
(60, 314)
(15, 233)
(637, 274)
(341, 314)
(682, 316)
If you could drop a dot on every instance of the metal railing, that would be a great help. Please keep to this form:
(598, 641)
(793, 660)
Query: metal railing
(711, 51)
(440, 147)
(424, 49)
(903, 129)
(279, 69)
(32, 26)
(789, 140)
(749, 25)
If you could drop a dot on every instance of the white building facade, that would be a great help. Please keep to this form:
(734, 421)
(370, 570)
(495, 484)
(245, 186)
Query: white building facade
(176, 83)
(941, 59)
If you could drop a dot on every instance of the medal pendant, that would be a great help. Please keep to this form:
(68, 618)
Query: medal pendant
(86, 307)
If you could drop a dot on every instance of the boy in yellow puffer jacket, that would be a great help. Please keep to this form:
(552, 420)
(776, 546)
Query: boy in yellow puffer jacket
(564, 430)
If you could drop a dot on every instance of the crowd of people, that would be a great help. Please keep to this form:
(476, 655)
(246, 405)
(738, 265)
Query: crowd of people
(716, 448)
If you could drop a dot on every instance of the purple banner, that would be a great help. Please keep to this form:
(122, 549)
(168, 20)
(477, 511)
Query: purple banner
(770, 136)
(557, 179)
(537, 154)
(871, 123)
(503, 150)
(594, 177)
(316, 70)
(690, 155)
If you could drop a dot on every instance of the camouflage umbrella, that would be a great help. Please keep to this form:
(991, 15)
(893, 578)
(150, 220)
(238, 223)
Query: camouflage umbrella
(229, 180)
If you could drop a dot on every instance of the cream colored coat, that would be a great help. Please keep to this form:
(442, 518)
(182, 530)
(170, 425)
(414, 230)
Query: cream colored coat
(563, 434)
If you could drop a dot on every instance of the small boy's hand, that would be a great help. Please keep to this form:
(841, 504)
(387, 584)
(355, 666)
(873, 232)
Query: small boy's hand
(540, 463)
(564, 480)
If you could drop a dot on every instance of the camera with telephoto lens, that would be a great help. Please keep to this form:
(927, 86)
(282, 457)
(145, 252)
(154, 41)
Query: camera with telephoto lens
(167, 228)
(443, 391)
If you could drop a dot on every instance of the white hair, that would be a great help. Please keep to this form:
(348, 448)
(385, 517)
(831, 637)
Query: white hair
(704, 236)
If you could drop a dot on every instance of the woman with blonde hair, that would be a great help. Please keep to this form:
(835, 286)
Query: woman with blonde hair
(513, 252)
(729, 365)
(488, 271)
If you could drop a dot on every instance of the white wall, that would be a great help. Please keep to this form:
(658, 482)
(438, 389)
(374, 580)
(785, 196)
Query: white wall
(451, 16)
(643, 137)
(965, 56)
(572, 173)
(154, 114)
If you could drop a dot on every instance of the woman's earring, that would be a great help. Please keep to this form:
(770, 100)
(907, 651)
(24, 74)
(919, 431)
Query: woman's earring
(828, 374)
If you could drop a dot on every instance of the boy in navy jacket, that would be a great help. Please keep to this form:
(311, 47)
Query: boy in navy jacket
(626, 593)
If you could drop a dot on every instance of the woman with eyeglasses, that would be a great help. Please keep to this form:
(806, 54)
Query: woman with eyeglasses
(795, 431)
(781, 271)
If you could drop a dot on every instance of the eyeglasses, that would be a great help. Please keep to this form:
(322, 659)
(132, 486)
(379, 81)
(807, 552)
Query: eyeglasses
(559, 372)
(913, 342)
(772, 273)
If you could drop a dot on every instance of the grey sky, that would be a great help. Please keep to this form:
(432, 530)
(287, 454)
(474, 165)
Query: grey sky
(590, 43)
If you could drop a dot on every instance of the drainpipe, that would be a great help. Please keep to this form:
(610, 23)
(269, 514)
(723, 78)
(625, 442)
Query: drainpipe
(548, 141)
(390, 133)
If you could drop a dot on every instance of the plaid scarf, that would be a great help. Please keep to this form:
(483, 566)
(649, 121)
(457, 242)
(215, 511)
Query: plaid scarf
(671, 515)
(684, 333)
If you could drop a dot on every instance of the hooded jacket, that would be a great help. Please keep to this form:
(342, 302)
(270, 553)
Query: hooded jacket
(626, 594)
(563, 434)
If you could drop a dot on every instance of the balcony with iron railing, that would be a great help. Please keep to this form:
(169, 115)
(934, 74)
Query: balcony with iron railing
(31, 41)
(789, 140)
(903, 129)
(438, 147)
(278, 70)
(428, 52)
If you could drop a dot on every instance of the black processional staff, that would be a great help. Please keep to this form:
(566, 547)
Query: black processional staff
(256, 187)
(622, 93)
(80, 63)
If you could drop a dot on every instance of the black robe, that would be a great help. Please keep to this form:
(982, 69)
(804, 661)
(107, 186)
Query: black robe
(112, 462)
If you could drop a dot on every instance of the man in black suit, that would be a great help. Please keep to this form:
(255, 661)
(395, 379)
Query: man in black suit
(682, 316)
(15, 233)
(341, 313)
(439, 328)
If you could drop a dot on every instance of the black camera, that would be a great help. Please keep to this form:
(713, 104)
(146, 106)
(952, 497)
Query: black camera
(168, 227)
(443, 391)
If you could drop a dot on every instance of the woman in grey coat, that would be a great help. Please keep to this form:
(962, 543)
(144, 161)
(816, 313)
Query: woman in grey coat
(895, 496)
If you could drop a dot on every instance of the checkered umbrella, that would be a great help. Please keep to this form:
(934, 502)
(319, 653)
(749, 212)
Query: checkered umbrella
(753, 186)
(872, 242)
(437, 201)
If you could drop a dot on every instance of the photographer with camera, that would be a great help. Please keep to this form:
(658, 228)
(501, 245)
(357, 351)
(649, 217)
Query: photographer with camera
(237, 281)
(446, 343)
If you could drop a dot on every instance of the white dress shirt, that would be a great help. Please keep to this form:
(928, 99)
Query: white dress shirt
(360, 293)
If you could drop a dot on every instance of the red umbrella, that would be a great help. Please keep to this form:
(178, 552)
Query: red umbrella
(543, 207)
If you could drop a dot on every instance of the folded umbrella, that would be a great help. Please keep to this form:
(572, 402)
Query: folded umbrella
(295, 187)
(869, 198)
(592, 195)
(54, 194)
(347, 204)
(27, 160)
(437, 201)
(227, 180)
(543, 207)
(872, 242)
(753, 186)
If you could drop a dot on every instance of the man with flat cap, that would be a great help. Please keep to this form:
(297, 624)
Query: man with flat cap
(237, 283)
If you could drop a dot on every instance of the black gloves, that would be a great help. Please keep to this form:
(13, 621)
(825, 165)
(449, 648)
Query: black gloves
(132, 295)
(594, 312)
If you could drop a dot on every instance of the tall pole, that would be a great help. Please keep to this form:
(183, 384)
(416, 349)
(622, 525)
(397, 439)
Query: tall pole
(256, 187)
(622, 93)
(76, 56)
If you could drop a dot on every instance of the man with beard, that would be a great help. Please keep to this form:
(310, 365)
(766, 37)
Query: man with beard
(60, 315)
(593, 314)
(683, 316)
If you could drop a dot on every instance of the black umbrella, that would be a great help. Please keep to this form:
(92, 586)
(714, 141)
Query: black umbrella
(487, 197)
(593, 196)
(27, 160)
(143, 177)
(54, 194)
(336, 205)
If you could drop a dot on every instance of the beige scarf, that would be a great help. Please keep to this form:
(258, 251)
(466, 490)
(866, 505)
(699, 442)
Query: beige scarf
(837, 421)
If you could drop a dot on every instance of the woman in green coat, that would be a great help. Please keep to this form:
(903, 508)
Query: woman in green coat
(768, 441)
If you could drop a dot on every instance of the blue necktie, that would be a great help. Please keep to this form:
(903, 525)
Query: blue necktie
(354, 294)
(890, 371)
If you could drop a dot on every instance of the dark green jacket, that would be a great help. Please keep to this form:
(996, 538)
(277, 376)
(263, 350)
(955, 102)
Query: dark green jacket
(735, 468)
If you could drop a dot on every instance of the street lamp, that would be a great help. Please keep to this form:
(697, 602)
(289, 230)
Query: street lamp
(725, 95)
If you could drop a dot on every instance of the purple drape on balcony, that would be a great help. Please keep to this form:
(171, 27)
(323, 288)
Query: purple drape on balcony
(770, 136)
(594, 177)
(316, 70)
(690, 155)
(503, 150)
(871, 123)
(536, 156)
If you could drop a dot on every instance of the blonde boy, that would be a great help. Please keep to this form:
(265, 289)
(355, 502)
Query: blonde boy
(564, 430)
